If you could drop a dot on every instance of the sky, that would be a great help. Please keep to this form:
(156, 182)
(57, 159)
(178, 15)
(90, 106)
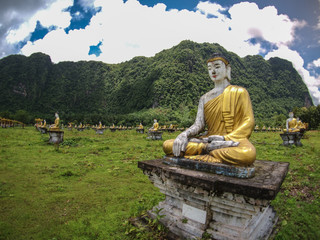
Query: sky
(114, 31)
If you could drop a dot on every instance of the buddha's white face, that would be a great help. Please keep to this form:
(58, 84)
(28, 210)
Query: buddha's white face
(217, 70)
(291, 114)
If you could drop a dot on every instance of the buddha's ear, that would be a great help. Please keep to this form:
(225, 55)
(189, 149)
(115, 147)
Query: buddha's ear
(229, 72)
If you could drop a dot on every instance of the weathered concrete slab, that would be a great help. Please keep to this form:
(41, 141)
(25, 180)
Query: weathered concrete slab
(265, 184)
(217, 168)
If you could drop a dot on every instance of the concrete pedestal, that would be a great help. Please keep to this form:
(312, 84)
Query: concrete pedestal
(291, 138)
(99, 131)
(80, 129)
(113, 129)
(155, 135)
(43, 130)
(225, 207)
(139, 130)
(56, 137)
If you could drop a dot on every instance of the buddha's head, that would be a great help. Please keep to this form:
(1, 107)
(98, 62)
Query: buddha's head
(219, 68)
(291, 114)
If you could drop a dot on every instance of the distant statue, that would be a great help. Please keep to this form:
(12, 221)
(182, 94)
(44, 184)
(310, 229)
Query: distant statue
(300, 124)
(140, 126)
(55, 126)
(227, 111)
(291, 124)
(44, 125)
(155, 126)
(100, 125)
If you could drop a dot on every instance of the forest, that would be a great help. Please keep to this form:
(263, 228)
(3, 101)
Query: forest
(167, 87)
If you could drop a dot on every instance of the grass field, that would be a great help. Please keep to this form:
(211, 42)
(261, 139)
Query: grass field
(91, 185)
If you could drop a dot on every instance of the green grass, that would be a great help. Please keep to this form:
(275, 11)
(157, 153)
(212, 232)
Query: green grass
(91, 185)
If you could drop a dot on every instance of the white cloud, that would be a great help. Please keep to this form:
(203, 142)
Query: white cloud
(54, 15)
(315, 63)
(130, 29)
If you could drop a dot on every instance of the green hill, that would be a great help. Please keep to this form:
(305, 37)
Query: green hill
(172, 78)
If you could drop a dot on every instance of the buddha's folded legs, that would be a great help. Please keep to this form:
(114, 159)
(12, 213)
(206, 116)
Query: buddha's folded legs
(244, 154)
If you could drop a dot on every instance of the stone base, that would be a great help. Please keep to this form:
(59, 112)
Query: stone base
(171, 130)
(99, 131)
(217, 168)
(70, 128)
(140, 130)
(56, 137)
(43, 130)
(80, 129)
(155, 135)
(113, 129)
(291, 138)
(225, 207)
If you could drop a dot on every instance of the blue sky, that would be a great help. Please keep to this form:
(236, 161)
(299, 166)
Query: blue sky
(114, 31)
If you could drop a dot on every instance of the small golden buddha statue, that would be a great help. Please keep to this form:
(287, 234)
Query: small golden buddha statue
(291, 124)
(155, 126)
(55, 126)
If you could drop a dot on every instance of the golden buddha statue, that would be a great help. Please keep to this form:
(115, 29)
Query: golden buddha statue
(100, 125)
(55, 126)
(300, 124)
(44, 125)
(227, 111)
(291, 124)
(140, 126)
(264, 128)
(155, 126)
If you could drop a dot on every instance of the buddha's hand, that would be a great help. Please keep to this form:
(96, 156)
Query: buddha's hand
(180, 144)
(216, 144)
(215, 138)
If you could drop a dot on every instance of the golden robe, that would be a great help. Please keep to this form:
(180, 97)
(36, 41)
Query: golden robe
(293, 126)
(55, 126)
(230, 115)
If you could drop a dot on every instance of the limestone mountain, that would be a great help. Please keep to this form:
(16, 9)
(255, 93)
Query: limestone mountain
(172, 77)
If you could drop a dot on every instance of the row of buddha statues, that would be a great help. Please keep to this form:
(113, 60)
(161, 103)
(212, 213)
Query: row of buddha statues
(223, 124)
(7, 123)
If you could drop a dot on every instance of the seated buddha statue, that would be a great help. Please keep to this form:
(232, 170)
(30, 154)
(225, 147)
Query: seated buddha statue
(227, 111)
(140, 126)
(44, 124)
(100, 125)
(155, 126)
(291, 124)
(300, 124)
(55, 126)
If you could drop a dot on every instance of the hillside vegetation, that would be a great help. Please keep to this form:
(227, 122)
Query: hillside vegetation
(173, 79)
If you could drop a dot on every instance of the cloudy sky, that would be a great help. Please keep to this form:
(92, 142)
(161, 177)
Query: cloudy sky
(114, 31)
